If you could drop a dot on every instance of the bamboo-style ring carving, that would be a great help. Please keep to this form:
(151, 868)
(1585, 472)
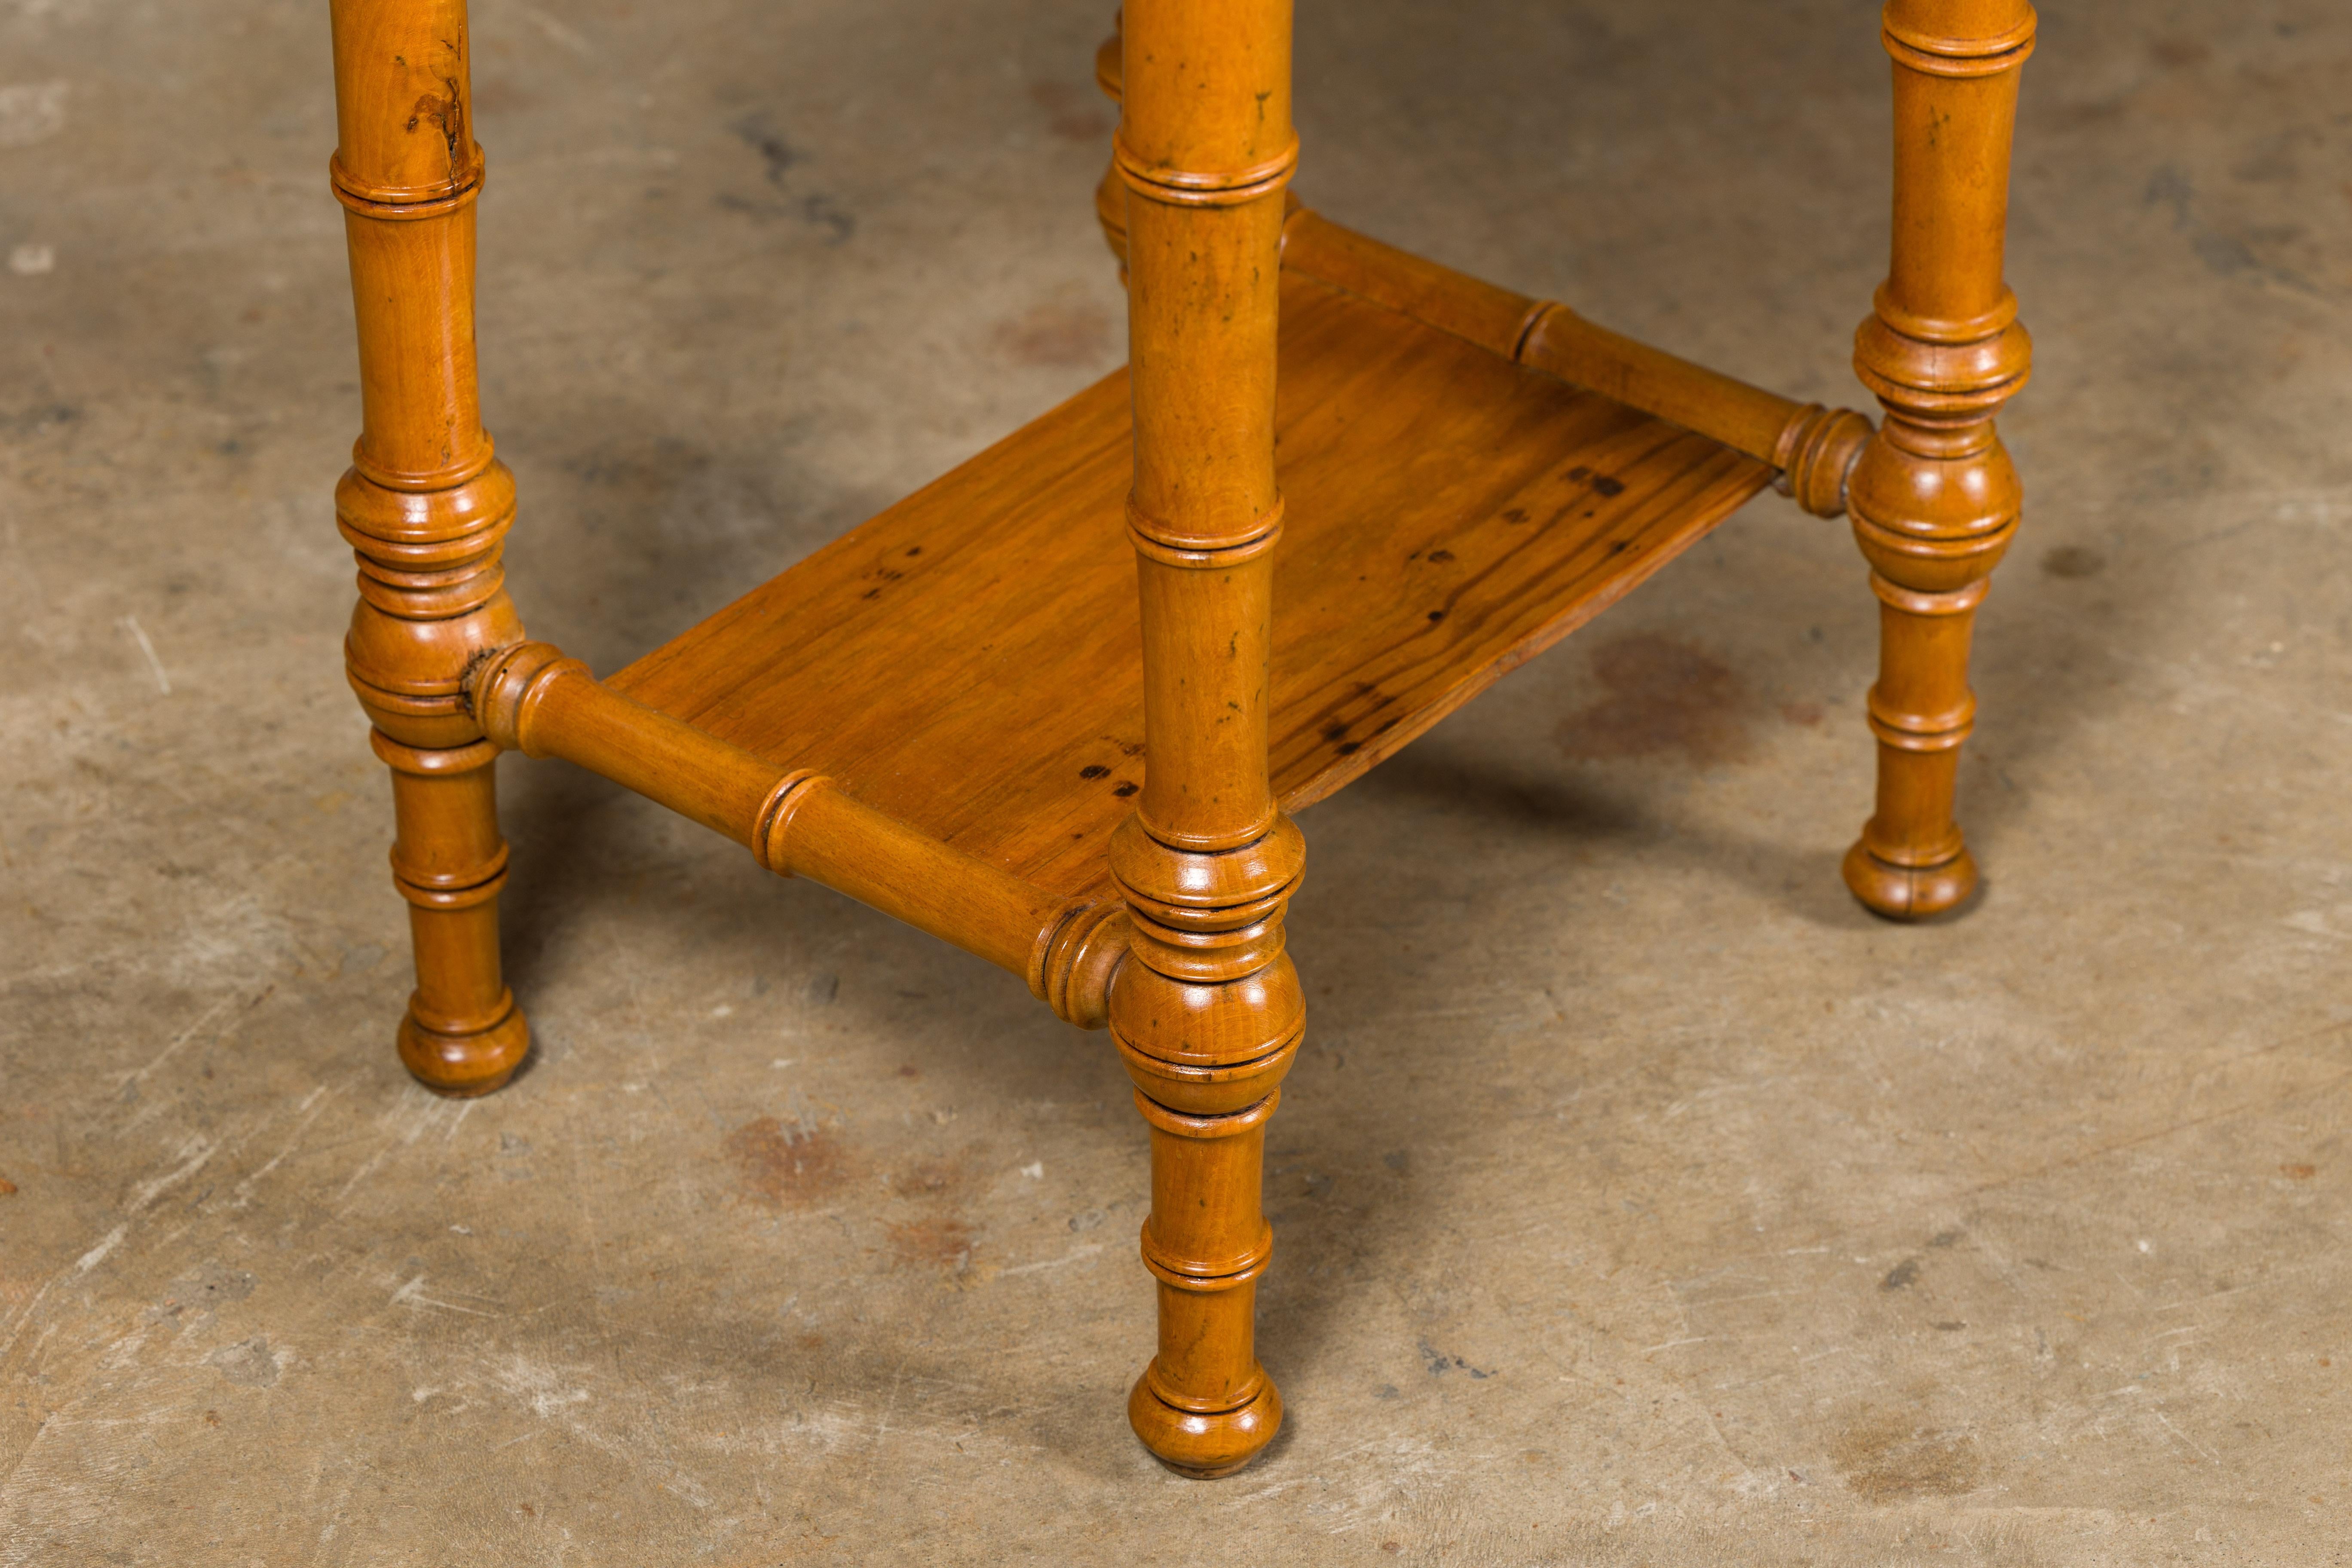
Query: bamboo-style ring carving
(405, 203)
(1932, 55)
(1203, 552)
(775, 820)
(1192, 188)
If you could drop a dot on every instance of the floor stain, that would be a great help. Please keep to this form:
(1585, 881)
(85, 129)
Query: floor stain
(211, 1285)
(787, 1164)
(1056, 335)
(1665, 696)
(1887, 1457)
(1073, 113)
(937, 1242)
(1440, 1362)
(930, 1179)
(2072, 560)
(248, 1363)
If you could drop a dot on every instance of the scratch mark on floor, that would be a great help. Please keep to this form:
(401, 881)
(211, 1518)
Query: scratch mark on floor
(97, 1255)
(413, 1295)
(195, 1154)
(569, 37)
(415, 1120)
(2211, 1456)
(182, 1039)
(309, 1110)
(2222, 1114)
(1073, 1256)
(138, 634)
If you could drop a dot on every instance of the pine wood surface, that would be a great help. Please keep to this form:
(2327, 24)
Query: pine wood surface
(1933, 497)
(967, 660)
(1336, 492)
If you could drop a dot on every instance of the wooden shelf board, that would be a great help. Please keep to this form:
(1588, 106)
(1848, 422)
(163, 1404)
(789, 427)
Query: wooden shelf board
(969, 659)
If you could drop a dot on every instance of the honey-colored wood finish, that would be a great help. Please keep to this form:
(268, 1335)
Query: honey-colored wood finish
(1056, 707)
(1207, 1012)
(425, 507)
(796, 820)
(967, 660)
(1814, 447)
(1935, 499)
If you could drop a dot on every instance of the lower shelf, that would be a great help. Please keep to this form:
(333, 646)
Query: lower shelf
(968, 660)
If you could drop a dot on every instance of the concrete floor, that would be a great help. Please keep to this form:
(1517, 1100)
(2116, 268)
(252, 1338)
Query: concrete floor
(1641, 1200)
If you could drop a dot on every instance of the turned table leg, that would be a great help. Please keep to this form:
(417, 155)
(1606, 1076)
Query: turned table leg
(1934, 498)
(425, 507)
(1209, 1015)
(1110, 192)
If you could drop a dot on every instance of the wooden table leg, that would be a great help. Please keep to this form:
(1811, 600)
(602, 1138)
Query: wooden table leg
(425, 507)
(1209, 1013)
(1934, 498)
(1110, 192)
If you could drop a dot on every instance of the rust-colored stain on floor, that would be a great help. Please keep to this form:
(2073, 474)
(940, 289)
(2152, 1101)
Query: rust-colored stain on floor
(1056, 335)
(787, 1164)
(1666, 696)
(939, 1241)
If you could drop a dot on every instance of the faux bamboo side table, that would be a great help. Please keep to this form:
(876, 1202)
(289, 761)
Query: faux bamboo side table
(1055, 707)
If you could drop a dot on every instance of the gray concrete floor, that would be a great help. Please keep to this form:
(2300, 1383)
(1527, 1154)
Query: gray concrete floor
(1640, 1199)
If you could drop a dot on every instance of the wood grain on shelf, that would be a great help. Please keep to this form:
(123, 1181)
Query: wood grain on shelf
(968, 659)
